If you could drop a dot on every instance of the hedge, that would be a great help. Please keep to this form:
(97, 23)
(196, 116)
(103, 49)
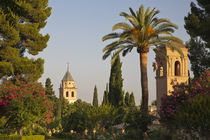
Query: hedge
(17, 137)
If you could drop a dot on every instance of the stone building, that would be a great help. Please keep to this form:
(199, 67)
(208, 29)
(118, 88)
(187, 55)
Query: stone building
(68, 88)
(171, 71)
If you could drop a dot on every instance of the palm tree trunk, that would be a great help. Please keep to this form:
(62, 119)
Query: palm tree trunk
(144, 81)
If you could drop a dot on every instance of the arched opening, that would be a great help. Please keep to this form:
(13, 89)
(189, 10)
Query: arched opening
(161, 71)
(177, 68)
(72, 94)
(67, 94)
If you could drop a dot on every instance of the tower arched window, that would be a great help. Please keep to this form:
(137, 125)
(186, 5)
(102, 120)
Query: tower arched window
(72, 94)
(67, 94)
(177, 68)
(161, 71)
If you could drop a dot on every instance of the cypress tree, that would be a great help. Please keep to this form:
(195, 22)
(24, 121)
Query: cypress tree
(197, 25)
(95, 97)
(49, 87)
(127, 99)
(105, 97)
(20, 24)
(59, 110)
(115, 96)
(132, 100)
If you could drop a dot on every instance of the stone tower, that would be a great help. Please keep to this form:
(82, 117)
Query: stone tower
(170, 72)
(68, 88)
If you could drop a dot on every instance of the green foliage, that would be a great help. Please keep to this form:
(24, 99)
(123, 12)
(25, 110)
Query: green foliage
(33, 137)
(194, 116)
(51, 96)
(59, 104)
(10, 137)
(105, 97)
(20, 25)
(17, 137)
(127, 99)
(79, 119)
(107, 116)
(154, 103)
(197, 26)
(115, 96)
(49, 87)
(137, 124)
(132, 100)
(24, 103)
(95, 97)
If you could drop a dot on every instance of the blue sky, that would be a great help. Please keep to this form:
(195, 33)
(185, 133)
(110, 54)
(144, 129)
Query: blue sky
(76, 28)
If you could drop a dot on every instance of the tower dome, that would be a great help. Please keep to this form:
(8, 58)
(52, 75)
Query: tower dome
(67, 76)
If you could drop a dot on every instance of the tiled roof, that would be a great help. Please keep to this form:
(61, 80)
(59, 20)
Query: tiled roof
(68, 77)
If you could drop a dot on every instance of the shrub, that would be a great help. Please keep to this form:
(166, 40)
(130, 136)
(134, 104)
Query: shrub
(23, 102)
(194, 116)
(137, 123)
(17, 137)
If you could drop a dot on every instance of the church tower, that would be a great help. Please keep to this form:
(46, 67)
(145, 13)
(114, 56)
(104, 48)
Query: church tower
(68, 88)
(170, 72)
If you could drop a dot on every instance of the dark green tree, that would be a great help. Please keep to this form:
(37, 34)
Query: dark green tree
(197, 25)
(127, 99)
(20, 25)
(144, 31)
(105, 98)
(95, 97)
(115, 95)
(80, 118)
(154, 103)
(132, 100)
(49, 87)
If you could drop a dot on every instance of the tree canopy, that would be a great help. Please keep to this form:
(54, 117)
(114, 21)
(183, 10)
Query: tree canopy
(197, 25)
(20, 25)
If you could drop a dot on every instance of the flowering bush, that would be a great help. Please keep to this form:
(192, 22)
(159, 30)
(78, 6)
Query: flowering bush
(181, 97)
(24, 103)
(194, 116)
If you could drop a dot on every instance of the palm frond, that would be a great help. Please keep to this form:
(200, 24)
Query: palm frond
(110, 36)
(141, 15)
(165, 31)
(128, 49)
(130, 18)
(114, 44)
(170, 38)
(132, 12)
(122, 25)
(116, 54)
(151, 16)
(153, 13)
(166, 25)
(125, 35)
(159, 21)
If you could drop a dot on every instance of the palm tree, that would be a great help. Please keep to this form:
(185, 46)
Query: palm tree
(144, 31)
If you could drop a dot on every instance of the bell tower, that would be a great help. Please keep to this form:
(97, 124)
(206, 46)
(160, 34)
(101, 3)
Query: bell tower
(68, 88)
(170, 72)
